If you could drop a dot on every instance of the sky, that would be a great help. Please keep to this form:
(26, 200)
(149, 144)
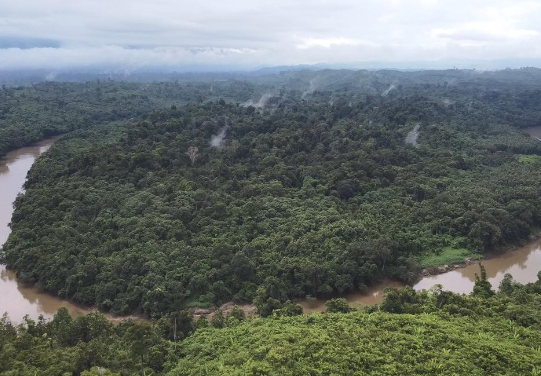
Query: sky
(171, 34)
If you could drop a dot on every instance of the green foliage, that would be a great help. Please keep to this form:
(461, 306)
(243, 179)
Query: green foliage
(313, 195)
(141, 338)
(529, 158)
(218, 319)
(29, 114)
(202, 322)
(410, 333)
(304, 199)
(361, 344)
(482, 287)
(448, 256)
(338, 305)
(288, 309)
(438, 333)
(177, 325)
(507, 285)
(237, 314)
(88, 345)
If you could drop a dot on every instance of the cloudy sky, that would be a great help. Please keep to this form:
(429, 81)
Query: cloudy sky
(132, 34)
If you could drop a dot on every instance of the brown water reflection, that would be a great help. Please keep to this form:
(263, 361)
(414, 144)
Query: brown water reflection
(15, 298)
(534, 131)
(523, 263)
(18, 300)
(13, 169)
(371, 296)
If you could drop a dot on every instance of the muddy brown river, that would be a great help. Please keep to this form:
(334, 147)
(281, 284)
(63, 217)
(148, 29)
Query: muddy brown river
(533, 131)
(19, 300)
(523, 263)
(16, 298)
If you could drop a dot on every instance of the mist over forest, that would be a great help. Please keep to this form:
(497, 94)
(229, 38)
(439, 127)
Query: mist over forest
(270, 188)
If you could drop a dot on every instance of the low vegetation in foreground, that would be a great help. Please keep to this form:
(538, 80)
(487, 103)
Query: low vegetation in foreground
(411, 333)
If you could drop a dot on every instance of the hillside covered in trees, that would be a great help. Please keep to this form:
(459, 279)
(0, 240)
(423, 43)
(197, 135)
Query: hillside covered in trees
(305, 193)
(410, 333)
(38, 110)
(29, 114)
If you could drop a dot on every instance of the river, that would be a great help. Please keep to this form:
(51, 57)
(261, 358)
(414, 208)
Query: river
(534, 131)
(18, 299)
(523, 263)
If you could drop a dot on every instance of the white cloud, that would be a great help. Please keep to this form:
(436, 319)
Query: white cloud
(125, 58)
(485, 31)
(330, 42)
(168, 33)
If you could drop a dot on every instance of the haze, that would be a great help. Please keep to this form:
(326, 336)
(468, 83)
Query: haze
(168, 34)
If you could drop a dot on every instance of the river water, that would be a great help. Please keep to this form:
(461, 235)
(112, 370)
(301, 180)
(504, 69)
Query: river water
(522, 263)
(534, 131)
(18, 299)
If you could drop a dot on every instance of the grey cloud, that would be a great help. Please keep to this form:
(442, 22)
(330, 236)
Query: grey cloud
(471, 35)
(140, 33)
(27, 42)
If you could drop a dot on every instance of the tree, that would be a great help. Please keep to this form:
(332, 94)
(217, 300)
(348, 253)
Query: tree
(237, 313)
(289, 309)
(218, 319)
(183, 324)
(62, 326)
(482, 287)
(202, 322)
(177, 325)
(507, 285)
(338, 305)
(141, 337)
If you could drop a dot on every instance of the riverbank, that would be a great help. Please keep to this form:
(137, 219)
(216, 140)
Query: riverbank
(534, 131)
(19, 299)
(523, 262)
(441, 269)
(16, 298)
(457, 278)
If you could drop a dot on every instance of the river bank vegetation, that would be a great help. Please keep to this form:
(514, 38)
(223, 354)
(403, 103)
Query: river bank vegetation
(167, 196)
(32, 113)
(200, 204)
(413, 333)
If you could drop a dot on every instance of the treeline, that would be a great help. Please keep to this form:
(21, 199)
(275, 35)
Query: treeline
(30, 114)
(410, 333)
(90, 344)
(303, 198)
(413, 333)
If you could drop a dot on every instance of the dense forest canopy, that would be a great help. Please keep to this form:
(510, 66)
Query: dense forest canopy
(29, 114)
(319, 183)
(33, 111)
(410, 333)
